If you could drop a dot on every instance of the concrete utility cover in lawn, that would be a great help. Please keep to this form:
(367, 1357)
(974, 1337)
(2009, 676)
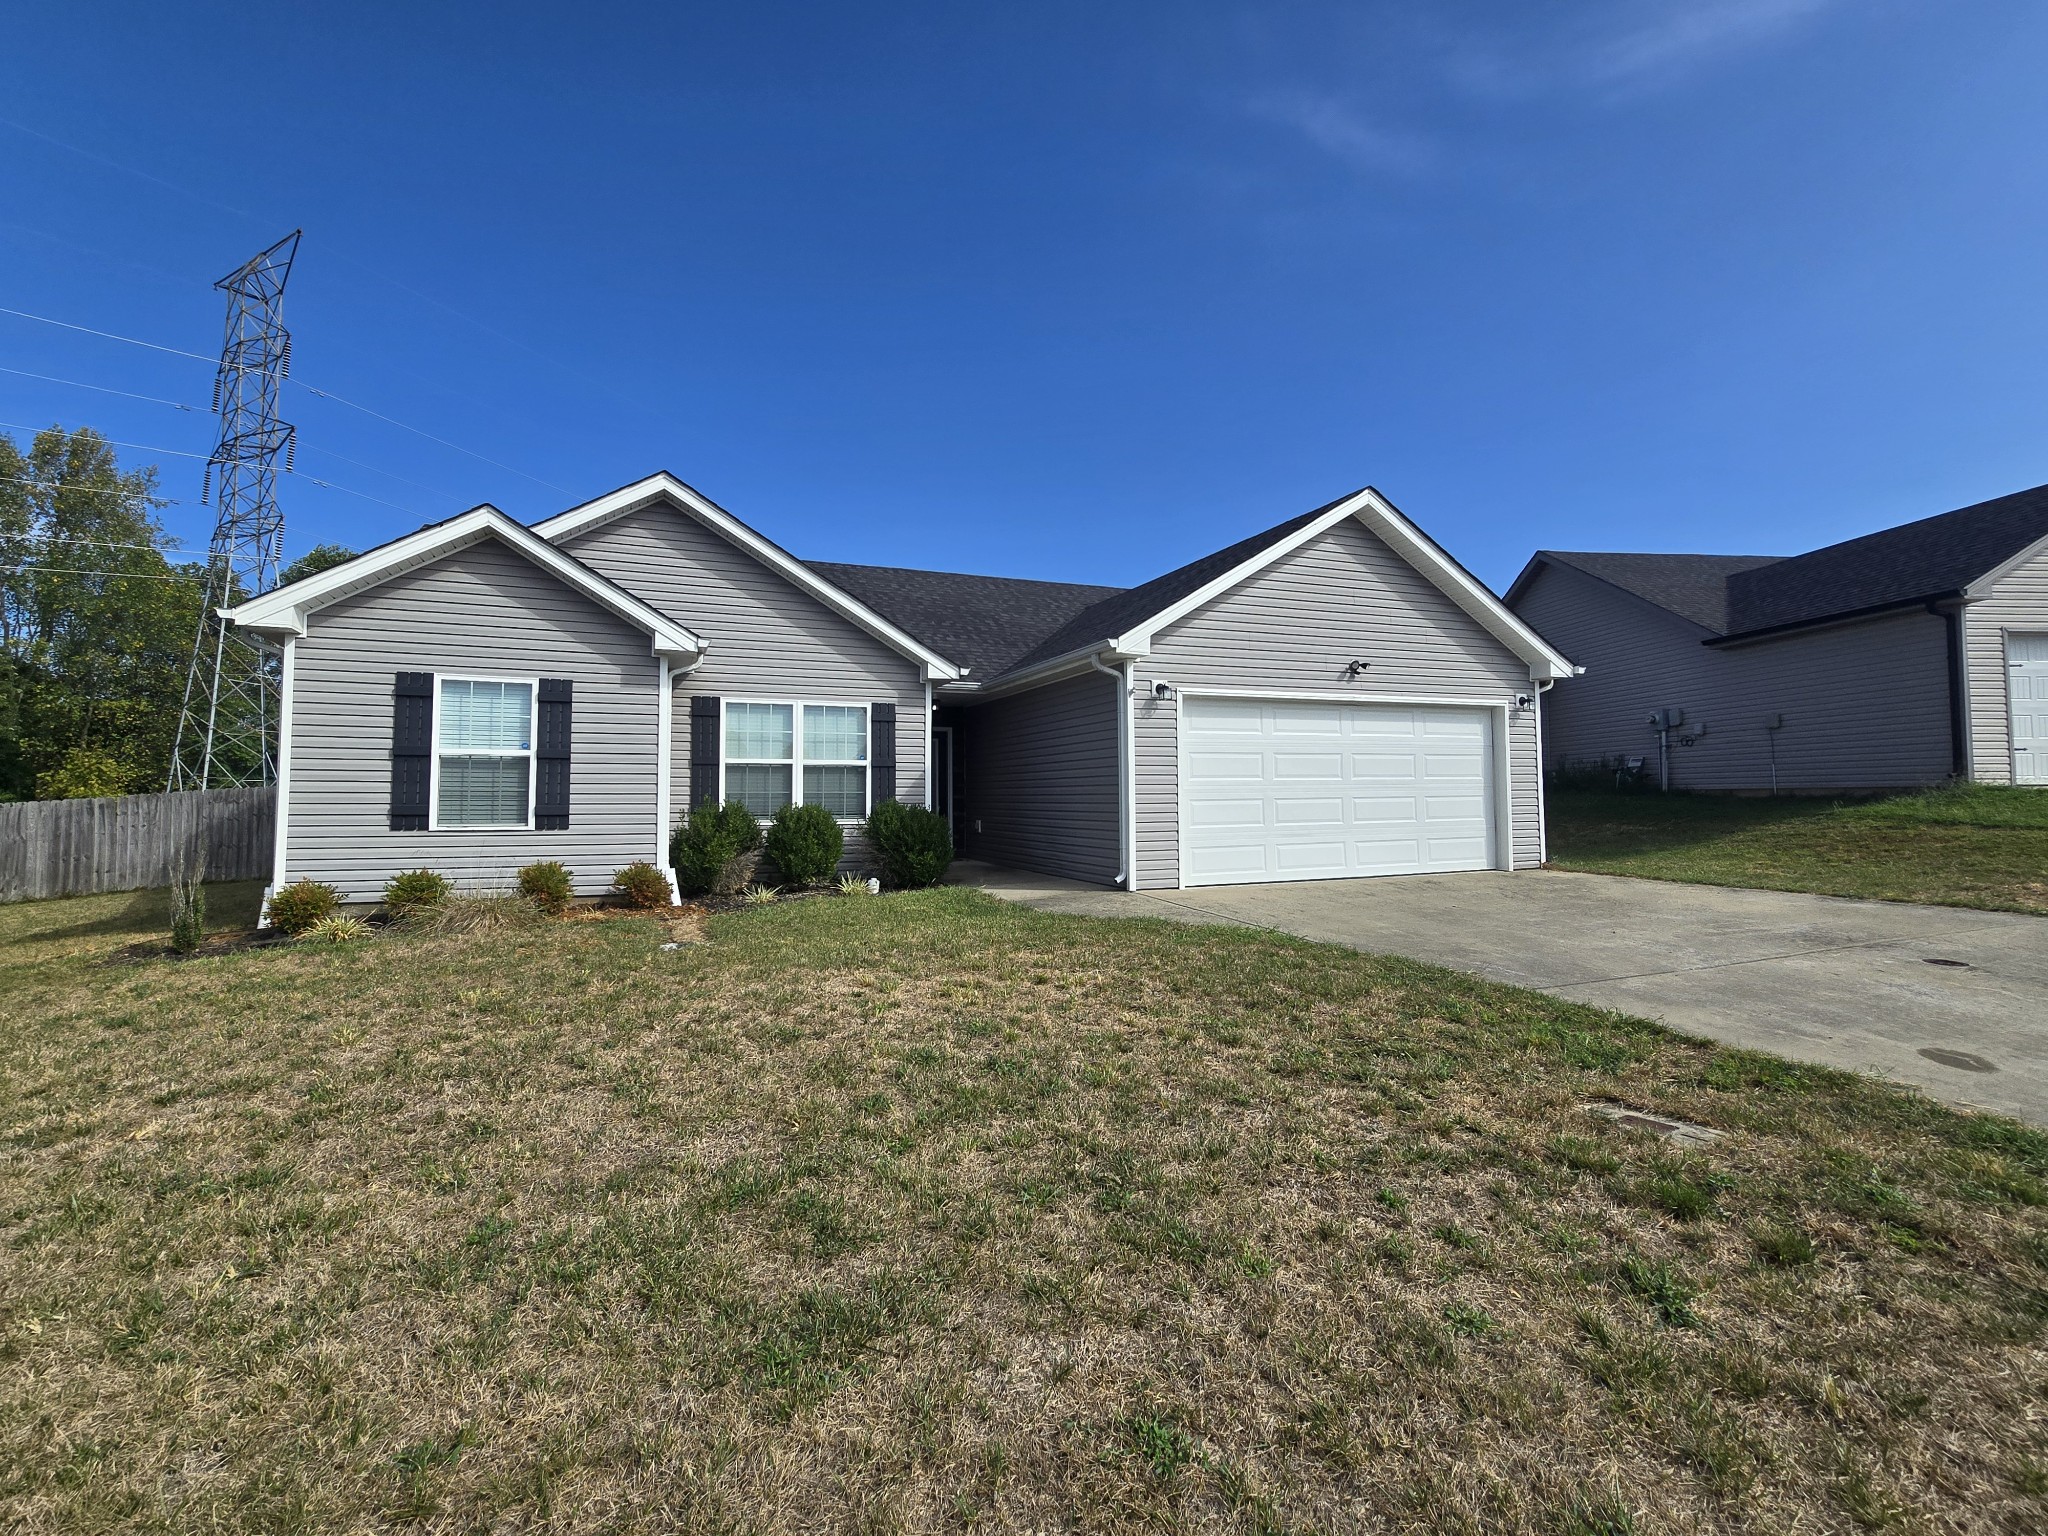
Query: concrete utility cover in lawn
(1814, 978)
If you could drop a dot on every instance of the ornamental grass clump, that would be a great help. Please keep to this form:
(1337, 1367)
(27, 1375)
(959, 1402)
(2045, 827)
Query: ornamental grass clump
(640, 884)
(915, 845)
(335, 930)
(302, 904)
(548, 886)
(805, 842)
(709, 851)
(414, 893)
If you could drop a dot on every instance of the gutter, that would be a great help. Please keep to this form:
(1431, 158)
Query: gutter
(1849, 616)
(1126, 772)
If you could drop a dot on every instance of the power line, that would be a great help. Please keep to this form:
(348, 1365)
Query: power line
(48, 378)
(300, 474)
(324, 394)
(109, 335)
(63, 570)
(76, 538)
(180, 453)
(96, 490)
(329, 395)
(327, 485)
(373, 469)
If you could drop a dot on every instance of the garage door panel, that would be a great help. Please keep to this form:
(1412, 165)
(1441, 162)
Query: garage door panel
(1285, 790)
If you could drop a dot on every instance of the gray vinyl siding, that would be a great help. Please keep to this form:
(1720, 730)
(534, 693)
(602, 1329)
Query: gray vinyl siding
(1865, 705)
(484, 611)
(1295, 626)
(2017, 603)
(766, 638)
(1037, 771)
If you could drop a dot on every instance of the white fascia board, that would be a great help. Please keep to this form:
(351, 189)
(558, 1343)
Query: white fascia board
(1407, 541)
(283, 611)
(594, 514)
(1047, 671)
(1981, 587)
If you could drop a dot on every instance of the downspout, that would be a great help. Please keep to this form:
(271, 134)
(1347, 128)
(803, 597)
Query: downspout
(1125, 771)
(664, 793)
(1958, 731)
(1543, 686)
(287, 678)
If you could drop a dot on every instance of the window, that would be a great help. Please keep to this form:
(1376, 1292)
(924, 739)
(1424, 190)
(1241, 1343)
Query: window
(765, 745)
(483, 753)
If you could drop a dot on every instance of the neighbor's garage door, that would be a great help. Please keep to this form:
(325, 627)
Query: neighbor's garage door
(1301, 791)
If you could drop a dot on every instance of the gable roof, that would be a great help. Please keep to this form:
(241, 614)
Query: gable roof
(1126, 622)
(984, 622)
(1694, 587)
(687, 499)
(282, 612)
(1737, 597)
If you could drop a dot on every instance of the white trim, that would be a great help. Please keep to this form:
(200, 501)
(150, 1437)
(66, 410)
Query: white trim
(283, 611)
(631, 498)
(1407, 541)
(664, 754)
(1542, 686)
(928, 729)
(1501, 711)
(796, 760)
(1130, 786)
(287, 675)
(1981, 587)
(531, 754)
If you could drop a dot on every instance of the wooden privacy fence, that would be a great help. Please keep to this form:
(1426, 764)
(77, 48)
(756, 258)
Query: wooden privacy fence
(126, 842)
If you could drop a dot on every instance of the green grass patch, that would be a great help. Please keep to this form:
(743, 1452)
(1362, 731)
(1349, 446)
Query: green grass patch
(1972, 846)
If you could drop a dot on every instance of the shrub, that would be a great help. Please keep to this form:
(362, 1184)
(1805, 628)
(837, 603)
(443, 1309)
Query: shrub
(760, 895)
(87, 773)
(852, 885)
(805, 843)
(547, 885)
(188, 913)
(914, 845)
(302, 904)
(709, 850)
(336, 930)
(642, 885)
(414, 892)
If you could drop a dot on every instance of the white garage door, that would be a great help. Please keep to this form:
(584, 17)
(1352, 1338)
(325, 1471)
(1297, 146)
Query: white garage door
(2027, 658)
(1276, 790)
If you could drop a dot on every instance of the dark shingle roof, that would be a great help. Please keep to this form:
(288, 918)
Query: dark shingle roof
(1930, 558)
(1113, 615)
(982, 622)
(1692, 586)
(1743, 594)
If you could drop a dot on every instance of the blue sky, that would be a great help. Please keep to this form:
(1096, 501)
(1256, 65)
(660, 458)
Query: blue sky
(1066, 290)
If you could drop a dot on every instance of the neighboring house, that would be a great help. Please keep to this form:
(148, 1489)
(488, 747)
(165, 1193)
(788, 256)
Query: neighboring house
(1334, 697)
(1899, 659)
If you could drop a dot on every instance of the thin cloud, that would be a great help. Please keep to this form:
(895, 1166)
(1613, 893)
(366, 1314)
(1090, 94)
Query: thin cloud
(1334, 127)
(1693, 32)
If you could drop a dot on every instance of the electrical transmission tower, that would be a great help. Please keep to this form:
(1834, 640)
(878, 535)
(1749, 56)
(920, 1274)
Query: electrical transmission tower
(225, 733)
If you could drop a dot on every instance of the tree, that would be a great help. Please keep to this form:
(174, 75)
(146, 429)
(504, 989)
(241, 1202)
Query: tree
(96, 624)
(315, 560)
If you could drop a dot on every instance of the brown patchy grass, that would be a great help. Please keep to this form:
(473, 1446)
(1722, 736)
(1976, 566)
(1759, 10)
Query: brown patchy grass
(925, 1213)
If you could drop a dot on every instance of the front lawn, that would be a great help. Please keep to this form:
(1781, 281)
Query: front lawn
(927, 1212)
(1977, 846)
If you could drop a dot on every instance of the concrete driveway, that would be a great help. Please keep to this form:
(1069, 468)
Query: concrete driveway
(1950, 1000)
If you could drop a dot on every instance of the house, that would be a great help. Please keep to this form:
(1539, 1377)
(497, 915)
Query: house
(1333, 697)
(1903, 658)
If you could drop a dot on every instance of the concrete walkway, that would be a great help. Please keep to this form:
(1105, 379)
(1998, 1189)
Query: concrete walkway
(1856, 984)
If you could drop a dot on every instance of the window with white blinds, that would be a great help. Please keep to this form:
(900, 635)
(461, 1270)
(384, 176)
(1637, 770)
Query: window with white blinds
(483, 752)
(810, 754)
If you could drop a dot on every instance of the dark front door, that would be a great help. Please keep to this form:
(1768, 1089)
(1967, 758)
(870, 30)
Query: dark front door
(942, 772)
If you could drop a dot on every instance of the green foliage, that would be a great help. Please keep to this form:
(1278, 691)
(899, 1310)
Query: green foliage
(302, 904)
(96, 624)
(319, 558)
(188, 913)
(915, 846)
(548, 886)
(85, 774)
(1786, 1247)
(335, 930)
(1667, 1291)
(708, 851)
(414, 892)
(805, 843)
(760, 895)
(852, 885)
(641, 885)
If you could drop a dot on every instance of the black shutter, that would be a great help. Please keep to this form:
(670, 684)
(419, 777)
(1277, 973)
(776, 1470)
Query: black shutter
(703, 750)
(881, 753)
(551, 755)
(412, 749)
